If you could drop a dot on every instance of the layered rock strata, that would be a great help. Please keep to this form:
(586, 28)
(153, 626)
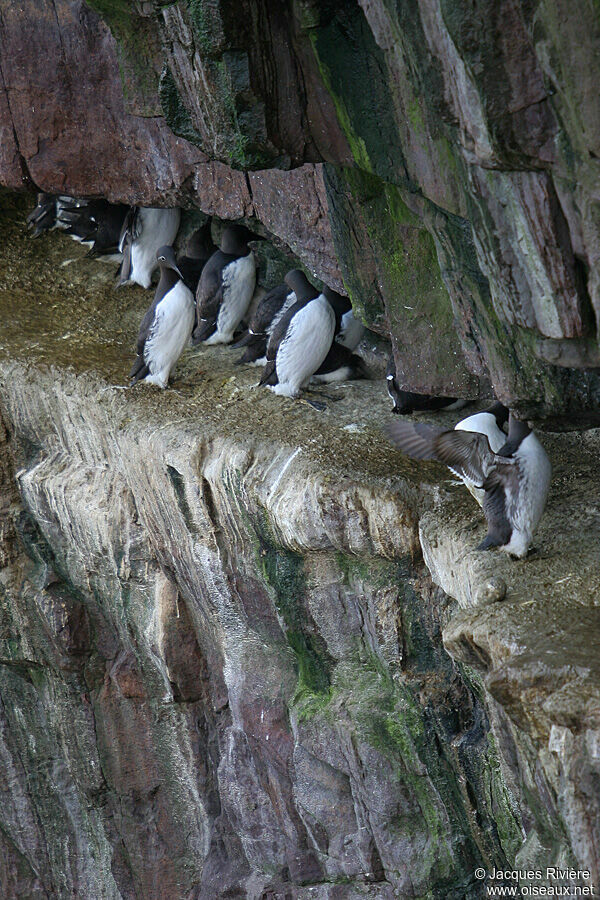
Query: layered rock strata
(225, 670)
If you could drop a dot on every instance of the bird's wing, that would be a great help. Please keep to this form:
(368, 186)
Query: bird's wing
(80, 221)
(269, 374)
(465, 452)
(109, 229)
(501, 488)
(280, 330)
(145, 327)
(43, 217)
(139, 370)
(126, 265)
(415, 439)
(268, 308)
(209, 293)
(337, 356)
(130, 228)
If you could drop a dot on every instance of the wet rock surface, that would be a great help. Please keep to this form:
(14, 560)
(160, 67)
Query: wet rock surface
(224, 668)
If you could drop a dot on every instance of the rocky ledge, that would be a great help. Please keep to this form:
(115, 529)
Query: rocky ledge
(225, 669)
(441, 167)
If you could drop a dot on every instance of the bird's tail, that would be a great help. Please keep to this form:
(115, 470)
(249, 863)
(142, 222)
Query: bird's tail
(139, 370)
(269, 375)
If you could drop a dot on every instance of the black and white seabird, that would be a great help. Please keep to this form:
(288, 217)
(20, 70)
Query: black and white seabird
(301, 339)
(406, 402)
(264, 319)
(515, 480)
(340, 364)
(199, 248)
(96, 223)
(491, 423)
(225, 288)
(348, 329)
(43, 217)
(144, 231)
(46, 214)
(167, 326)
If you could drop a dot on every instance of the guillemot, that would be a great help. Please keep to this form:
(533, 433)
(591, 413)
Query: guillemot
(167, 326)
(489, 422)
(199, 248)
(340, 364)
(96, 223)
(144, 231)
(406, 402)
(225, 288)
(515, 480)
(265, 318)
(301, 339)
(45, 216)
(348, 329)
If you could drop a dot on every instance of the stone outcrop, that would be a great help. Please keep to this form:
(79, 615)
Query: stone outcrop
(92, 135)
(458, 203)
(225, 670)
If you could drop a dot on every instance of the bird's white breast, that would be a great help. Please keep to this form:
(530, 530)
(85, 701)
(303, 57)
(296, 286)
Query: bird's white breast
(306, 343)
(171, 329)
(239, 280)
(525, 510)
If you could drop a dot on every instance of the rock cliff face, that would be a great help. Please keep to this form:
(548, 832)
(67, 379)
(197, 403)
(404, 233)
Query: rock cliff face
(225, 670)
(246, 649)
(459, 195)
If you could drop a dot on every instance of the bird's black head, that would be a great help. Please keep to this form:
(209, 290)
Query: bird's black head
(517, 432)
(200, 243)
(339, 303)
(301, 286)
(234, 240)
(391, 367)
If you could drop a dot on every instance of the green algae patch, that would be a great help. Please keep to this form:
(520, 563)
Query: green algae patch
(176, 115)
(382, 711)
(385, 707)
(283, 572)
(348, 57)
(138, 48)
(207, 25)
(389, 260)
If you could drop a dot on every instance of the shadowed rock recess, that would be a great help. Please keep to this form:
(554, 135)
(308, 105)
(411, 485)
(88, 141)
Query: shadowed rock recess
(248, 650)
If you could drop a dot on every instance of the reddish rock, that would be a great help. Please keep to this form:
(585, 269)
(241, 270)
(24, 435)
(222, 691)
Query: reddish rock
(77, 135)
(12, 170)
(482, 125)
(221, 191)
(69, 116)
(302, 222)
